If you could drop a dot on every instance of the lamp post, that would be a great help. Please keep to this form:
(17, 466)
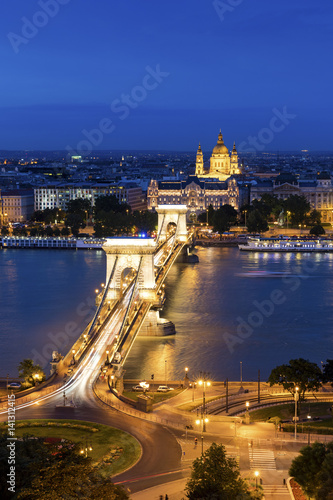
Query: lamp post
(186, 377)
(112, 379)
(36, 377)
(107, 358)
(73, 360)
(247, 415)
(256, 475)
(241, 372)
(204, 383)
(203, 421)
(165, 371)
(296, 398)
(86, 449)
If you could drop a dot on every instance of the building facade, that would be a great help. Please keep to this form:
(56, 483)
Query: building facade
(318, 192)
(194, 192)
(222, 164)
(58, 195)
(17, 205)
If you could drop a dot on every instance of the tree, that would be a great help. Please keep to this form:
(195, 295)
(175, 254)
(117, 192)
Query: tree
(256, 223)
(224, 218)
(80, 206)
(312, 469)
(317, 230)
(28, 371)
(328, 371)
(110, 203)
(54, 472)
(298, 206)
(145, 221)
(207, 216)
(215, 476)
(314, 218)
(65, 231)
(4, 231)
(75, 222)
(299, 373)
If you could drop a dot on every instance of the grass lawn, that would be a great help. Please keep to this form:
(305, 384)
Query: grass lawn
(112, 449)
(157, 396)
(287, 411)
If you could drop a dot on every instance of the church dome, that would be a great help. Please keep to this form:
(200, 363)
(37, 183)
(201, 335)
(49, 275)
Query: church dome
(220, 148)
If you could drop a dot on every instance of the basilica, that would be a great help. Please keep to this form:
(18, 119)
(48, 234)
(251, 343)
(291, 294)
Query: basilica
(209, 186)
(222, 164)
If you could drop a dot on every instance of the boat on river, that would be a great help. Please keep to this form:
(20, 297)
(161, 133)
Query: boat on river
(287, 244)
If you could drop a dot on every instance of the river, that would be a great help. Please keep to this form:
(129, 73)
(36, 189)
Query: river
(232, 309)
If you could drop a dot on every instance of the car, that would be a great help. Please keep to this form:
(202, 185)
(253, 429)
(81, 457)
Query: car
(14, 385)
(137, 388)
(164, 388)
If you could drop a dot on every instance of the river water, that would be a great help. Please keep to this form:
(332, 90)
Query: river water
(227, 314)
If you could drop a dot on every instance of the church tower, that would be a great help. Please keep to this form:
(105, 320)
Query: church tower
(199, 164)
(234, 169)
(220, 159)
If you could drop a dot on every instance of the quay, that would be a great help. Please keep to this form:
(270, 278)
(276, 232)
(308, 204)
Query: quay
(51, 242)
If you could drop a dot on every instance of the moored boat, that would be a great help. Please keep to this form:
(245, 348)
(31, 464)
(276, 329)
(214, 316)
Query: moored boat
(286, 244)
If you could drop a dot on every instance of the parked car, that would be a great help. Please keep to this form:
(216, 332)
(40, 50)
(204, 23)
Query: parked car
(143, 386)
(137, 388)
(164, 388)
(14, 385)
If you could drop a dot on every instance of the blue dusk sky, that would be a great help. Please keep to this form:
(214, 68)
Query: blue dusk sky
(129, 74)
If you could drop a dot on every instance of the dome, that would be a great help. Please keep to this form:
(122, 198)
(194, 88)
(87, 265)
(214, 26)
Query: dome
(220, 148)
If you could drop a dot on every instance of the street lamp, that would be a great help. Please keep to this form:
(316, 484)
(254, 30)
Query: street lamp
(204, 383)
(73, 360)
(203, 422)
(112, 379)
(107, 358)
(296, 398)
(86, 449)
(247, 415)
(256, 475)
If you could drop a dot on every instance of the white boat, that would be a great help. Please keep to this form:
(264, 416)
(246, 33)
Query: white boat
(285, 244)
(89, 243)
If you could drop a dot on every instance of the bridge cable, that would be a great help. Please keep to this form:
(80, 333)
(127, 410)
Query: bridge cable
(92, 324)
(131, 301)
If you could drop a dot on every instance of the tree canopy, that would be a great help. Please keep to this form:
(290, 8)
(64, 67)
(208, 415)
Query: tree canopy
(28, 371)
(312, 469)
(54, 472)
(317, 230)
(256, 222)
(299, 373)
(328, 371)
(224, 218)
(214, 475)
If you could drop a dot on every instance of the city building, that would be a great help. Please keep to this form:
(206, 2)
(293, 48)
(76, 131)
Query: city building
(58, 195)
(318, 191)
(222, 164)
(17, 205)
(196, 193)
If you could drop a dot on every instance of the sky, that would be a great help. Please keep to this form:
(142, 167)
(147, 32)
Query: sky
(83, 75)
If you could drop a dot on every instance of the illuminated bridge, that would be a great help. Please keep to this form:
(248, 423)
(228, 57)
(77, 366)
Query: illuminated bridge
(133, 291)
(136, 270)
